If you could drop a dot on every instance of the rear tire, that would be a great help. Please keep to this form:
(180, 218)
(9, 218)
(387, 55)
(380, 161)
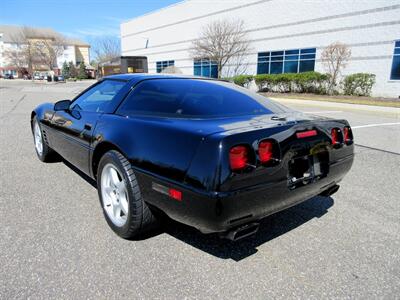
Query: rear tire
(123, 206)
(43, 151)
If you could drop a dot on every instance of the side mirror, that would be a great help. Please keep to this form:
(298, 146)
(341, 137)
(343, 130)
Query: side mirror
(62, 105)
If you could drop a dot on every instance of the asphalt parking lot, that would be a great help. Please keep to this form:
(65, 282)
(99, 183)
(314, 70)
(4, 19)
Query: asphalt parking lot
(55, 243)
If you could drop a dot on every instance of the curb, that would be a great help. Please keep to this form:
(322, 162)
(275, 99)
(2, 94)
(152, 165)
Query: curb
(342, 106)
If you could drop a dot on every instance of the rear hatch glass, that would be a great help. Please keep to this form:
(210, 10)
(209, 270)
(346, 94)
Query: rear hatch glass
(196, 98)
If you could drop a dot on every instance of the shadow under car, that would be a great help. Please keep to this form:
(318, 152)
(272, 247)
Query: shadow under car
(270, 227)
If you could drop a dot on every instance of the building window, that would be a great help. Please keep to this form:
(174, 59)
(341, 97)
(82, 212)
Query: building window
(161, 65)
(395, 74)
(287, 61)
(205, 68)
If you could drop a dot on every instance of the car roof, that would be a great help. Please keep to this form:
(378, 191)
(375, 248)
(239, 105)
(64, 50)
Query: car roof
(136, 77)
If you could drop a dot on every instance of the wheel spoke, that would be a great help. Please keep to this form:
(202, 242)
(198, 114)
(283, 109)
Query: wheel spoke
(124, 204)
(38, 139)
(121, 187)
(114, 194)
(117, 211)
(108, 190)
(114, 177)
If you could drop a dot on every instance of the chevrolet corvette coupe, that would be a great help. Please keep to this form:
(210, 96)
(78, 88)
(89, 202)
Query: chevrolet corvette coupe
(205, 152)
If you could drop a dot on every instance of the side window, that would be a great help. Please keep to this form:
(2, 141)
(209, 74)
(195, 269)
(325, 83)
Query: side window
(98, 97)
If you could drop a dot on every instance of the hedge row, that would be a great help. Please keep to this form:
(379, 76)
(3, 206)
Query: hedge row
(307, 82)
(243, 80)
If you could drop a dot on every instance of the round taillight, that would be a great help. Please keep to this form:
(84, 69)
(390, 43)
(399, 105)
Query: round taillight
(238, 157)
(265, 151)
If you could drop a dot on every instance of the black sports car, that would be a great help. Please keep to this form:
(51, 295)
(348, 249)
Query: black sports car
(207, 153)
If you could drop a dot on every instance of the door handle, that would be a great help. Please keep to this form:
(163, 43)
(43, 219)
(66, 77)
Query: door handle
(88, 126)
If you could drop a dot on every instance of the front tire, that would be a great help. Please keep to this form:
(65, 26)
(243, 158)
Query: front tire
(123, 206)
(43, 151)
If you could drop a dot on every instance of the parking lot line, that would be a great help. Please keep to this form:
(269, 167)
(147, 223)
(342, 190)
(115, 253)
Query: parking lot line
(377, 149)
(376, 125)
(324, 112)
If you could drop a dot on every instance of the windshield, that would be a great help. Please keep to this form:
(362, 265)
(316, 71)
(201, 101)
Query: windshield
(196, 98)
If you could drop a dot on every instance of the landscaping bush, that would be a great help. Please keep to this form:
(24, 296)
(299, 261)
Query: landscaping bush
(243, 80)
(264, 82)
(307, 82)
(359, 84)
(282, 82)
(261, 81)
(311, 82)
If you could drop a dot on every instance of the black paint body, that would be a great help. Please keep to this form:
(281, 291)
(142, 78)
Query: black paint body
(191, 155)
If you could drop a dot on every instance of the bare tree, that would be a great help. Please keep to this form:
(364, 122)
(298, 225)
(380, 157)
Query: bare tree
(221, 41)
(106, 48)
(14, 57)
(171, 70)
(335, 58)
(237, 65)
(30, 49)
(22, 53)
(49, 48)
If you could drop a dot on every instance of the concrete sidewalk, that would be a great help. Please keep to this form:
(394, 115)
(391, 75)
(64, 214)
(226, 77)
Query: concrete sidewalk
(342, 106)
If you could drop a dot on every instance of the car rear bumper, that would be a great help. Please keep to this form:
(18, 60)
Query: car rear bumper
(219, 212)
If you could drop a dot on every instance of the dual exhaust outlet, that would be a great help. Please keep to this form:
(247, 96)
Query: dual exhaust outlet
(250, 229)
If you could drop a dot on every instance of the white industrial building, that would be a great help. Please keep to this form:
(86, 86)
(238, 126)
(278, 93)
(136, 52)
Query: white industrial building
(277, 29)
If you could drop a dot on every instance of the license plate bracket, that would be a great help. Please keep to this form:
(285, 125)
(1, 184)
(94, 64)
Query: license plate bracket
(307, 169)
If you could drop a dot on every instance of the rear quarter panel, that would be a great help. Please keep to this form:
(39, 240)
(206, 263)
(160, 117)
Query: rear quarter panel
(154, 146)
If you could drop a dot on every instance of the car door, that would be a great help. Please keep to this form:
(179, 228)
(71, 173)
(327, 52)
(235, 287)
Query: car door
(73, 128)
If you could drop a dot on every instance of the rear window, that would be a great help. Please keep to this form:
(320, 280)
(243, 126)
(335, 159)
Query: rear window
(195, 98)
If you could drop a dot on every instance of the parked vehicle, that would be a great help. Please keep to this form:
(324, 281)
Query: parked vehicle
(205, 152)
(37, 77)
(8, 76)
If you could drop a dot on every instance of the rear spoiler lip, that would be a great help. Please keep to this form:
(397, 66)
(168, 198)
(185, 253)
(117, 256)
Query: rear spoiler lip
(262, 126)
